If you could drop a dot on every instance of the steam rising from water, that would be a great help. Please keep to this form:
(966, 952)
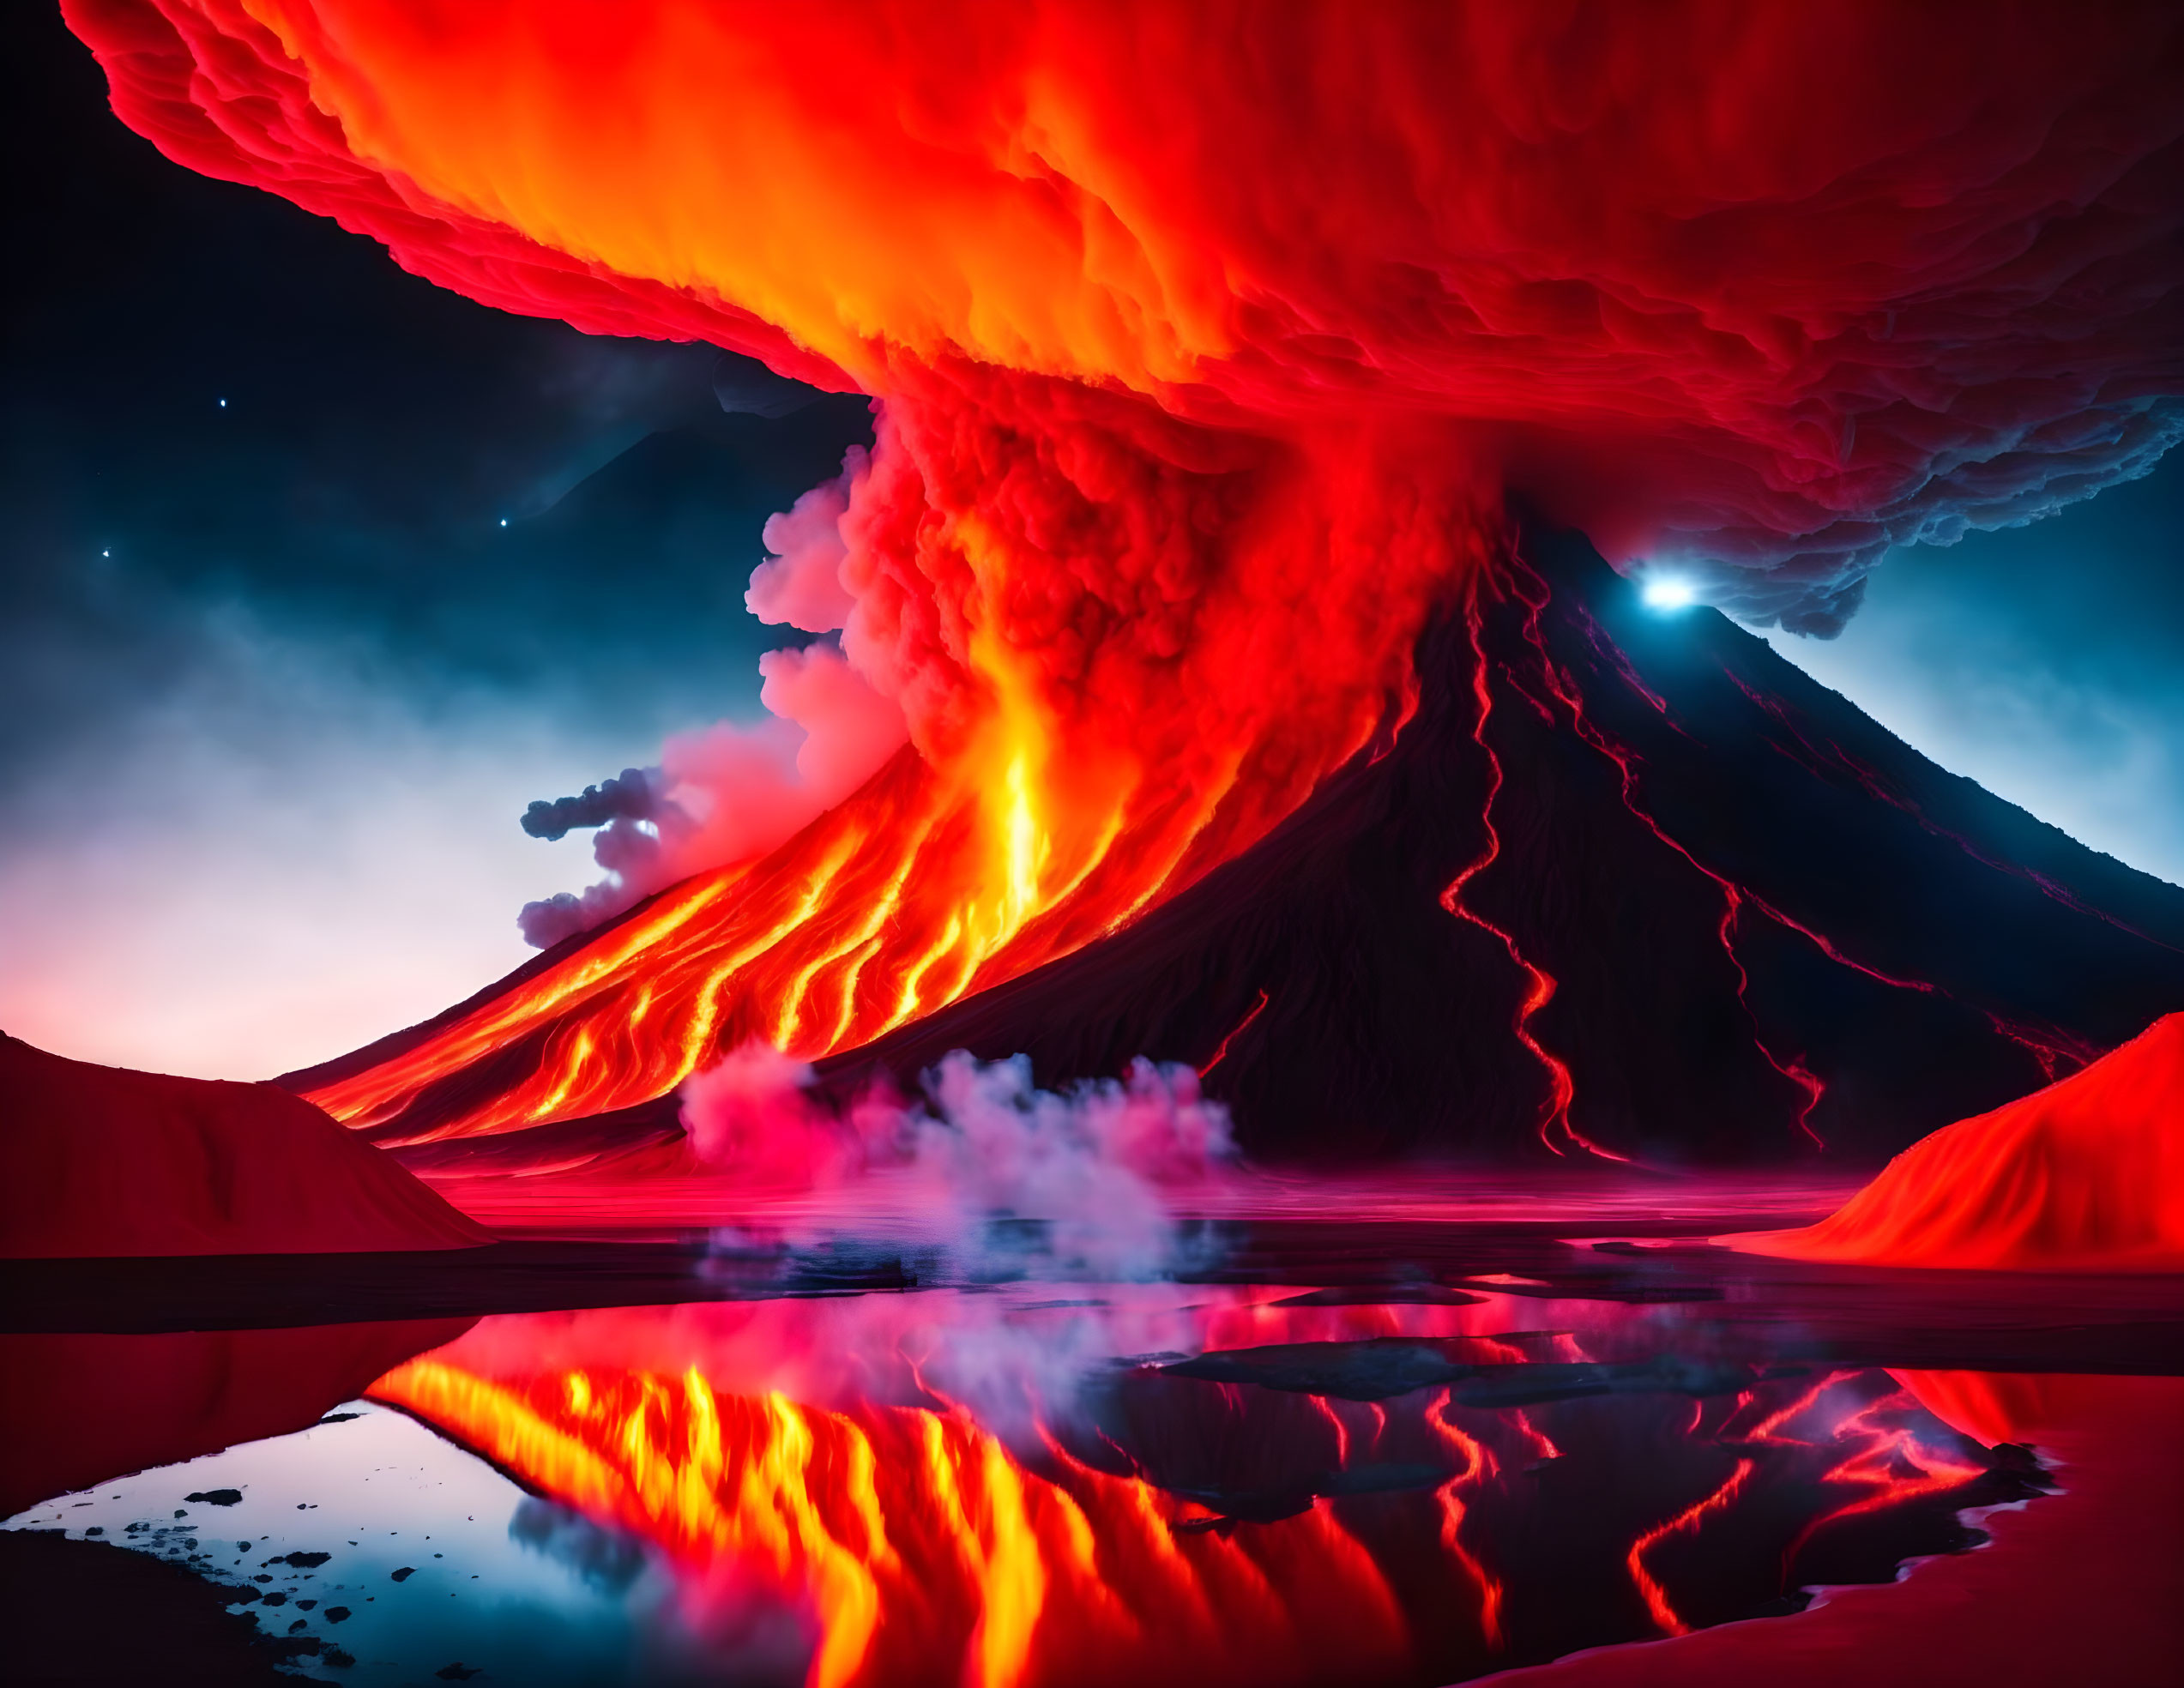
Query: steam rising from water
(999, 1172)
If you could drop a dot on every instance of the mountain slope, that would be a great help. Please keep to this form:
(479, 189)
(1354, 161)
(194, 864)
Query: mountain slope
(1767, 923)
(1620, 880)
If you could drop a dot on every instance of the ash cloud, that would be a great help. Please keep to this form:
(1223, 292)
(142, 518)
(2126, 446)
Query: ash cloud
(633, 796)
(737, 789)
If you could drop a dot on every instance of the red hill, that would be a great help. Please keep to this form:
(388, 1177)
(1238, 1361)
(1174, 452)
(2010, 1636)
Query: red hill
(2086, 1174)
(99, 1162)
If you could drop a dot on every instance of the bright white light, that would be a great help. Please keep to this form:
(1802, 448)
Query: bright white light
(503, 521)
(223, 404)
(1666, 592)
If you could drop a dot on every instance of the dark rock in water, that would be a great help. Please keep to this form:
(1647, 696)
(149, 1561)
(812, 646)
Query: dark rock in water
(215, 1497)
(337, 1659)
(1393, 1295)
(302, 1561)
(458, 1671)
(405, 1573)
(337, 1614)
(1377, 1370)
(298, 1626)
(1385, 1367)
(244, 1596)
(276, 1598)
(305, 1605)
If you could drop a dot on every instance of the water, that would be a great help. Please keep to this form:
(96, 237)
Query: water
(1023, 1482)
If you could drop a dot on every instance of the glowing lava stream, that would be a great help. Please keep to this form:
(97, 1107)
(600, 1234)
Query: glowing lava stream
(1541, 985)
(1527, 589)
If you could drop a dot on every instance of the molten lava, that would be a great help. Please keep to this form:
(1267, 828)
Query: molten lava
(2087, 1174)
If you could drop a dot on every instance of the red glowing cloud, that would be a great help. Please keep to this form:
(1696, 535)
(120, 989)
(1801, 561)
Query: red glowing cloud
(1208, 342)
(1862, 274)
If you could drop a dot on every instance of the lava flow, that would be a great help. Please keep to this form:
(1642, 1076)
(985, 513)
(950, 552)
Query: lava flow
(1186, 1532)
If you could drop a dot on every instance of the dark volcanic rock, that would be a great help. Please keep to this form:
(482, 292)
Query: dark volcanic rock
(1922, 948)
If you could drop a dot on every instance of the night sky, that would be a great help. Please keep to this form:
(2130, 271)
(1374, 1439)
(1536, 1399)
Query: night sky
(278, 677)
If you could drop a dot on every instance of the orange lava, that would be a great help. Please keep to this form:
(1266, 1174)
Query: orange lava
(2087, 1174)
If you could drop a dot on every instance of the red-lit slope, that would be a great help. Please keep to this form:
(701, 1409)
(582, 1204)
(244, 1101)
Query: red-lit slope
(2086, 1174)
(100, 1160)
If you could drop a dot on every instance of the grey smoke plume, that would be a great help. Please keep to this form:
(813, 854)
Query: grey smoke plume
(637, 795)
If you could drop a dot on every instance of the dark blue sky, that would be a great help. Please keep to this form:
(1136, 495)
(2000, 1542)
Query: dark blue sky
(276, 682)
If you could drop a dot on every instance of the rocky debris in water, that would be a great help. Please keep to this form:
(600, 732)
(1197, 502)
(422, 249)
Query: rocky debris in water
(300, 1560)
(337, 1614)
(1383, 1295)
(305, 1605)
(276, 1598)
(1384, 1367)
(405, 1573)
(215, 1497)
(338, 1660)
(457, 1672)
(242, 1597)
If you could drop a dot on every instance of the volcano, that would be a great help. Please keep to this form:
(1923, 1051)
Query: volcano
(1614, 884)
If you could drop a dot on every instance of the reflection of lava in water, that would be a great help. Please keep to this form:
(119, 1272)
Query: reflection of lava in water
(1172, 1530)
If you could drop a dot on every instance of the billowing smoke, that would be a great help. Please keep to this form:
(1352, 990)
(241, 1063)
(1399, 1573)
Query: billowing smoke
(998, 1169)
(1203, 377)
(635, 796)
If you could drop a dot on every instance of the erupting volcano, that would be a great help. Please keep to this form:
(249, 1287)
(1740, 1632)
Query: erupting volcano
(1165, 1114)
(1241, 725)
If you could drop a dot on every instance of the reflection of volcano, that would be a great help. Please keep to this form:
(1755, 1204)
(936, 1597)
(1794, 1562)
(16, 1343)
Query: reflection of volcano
(1620, 879)
(1189, 1531)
